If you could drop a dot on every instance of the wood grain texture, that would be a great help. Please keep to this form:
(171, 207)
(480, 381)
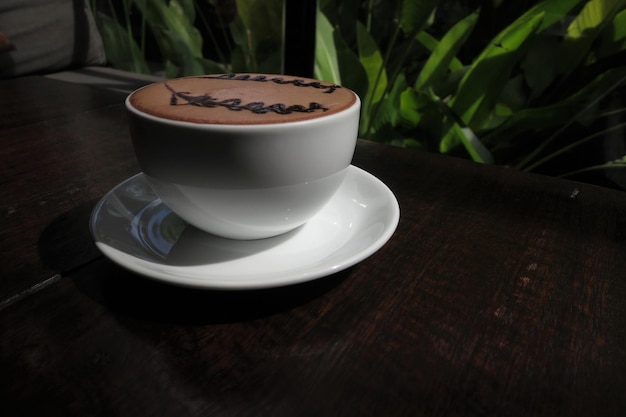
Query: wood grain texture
(38, 100)
(500, 294)
(57, 161)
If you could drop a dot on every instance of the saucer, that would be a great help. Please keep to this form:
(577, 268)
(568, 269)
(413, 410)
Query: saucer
(132, 227)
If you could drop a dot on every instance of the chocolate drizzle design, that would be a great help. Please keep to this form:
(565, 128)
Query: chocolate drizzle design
(258, 107)
(278, 80)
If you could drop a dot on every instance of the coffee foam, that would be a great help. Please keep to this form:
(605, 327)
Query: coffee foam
(242, 99)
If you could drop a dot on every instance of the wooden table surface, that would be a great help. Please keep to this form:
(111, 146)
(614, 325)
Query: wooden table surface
(500, 294)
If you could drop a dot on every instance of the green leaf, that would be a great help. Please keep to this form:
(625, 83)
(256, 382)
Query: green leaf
(242, 56)
(459, 132)
(188, 8)
(473, 145)
(353, 74)
(414, 14)
(171, 69)
(613, 38)
(528, 120)
(554, 11)
(257, 33)
(483, 83)
(513, 95)
(121, 50)
(326, 62)
(239, 61)
(372, 61)
(413, 143)
(444, 53)
(270, 59)
(262, 20)
(592, 17)
(182, 56)
(411, 102)
(540, 66)
(180, 25)
(179, 40)
(430, 43)
(388, 113)
(212, 67)
(583, 31)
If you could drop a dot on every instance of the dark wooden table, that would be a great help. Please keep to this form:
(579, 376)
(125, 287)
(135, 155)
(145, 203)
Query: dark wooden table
(500, 294)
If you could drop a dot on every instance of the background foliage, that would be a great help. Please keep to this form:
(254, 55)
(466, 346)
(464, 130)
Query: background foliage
(535, 85)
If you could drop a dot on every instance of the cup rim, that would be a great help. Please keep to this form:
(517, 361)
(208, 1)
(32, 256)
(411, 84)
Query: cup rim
(356, 106)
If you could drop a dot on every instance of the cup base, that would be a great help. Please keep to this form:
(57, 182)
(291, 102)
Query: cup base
(247, 214)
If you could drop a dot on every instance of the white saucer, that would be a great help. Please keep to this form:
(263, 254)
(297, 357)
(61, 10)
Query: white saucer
(133, 228)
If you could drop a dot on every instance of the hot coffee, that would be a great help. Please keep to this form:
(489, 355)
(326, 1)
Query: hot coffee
(242, 99)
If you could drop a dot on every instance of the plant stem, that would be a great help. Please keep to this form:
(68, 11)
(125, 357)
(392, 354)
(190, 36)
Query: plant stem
(523, 164)
(372, 113)
(572, 145)
(610, 165)
(143, 30)
(613, 112)
(216, 45)
(225, 33)
(370, 7)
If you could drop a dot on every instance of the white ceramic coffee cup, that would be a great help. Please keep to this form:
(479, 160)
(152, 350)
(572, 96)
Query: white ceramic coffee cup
(245, 181)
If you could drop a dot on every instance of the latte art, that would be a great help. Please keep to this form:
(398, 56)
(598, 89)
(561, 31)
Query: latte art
(236, 104)
(242, 99)
(330, 88)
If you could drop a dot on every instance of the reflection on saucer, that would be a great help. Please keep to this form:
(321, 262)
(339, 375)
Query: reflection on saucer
(196, 247)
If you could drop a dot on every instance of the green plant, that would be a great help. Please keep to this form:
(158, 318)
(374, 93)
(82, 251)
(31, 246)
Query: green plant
(506, 83)
(251, 41)
(511, 103)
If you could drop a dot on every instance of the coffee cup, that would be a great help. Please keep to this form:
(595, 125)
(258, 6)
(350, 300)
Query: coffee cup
(244, 156)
